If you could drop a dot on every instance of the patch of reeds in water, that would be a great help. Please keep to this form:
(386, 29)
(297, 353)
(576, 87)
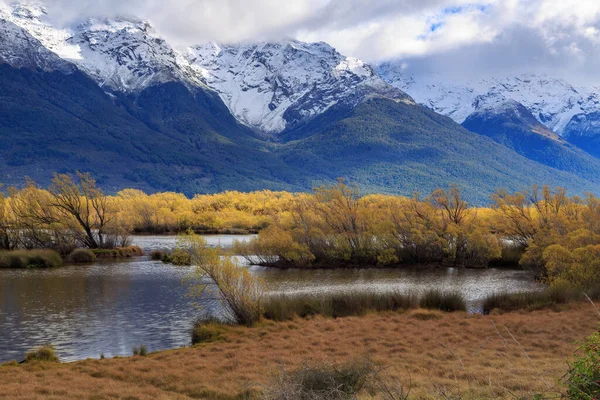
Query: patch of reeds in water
(283, 307)
(530, 301)
(30, 259)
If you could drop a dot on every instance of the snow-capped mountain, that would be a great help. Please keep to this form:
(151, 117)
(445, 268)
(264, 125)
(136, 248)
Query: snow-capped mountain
(269, 87)
(554, 102)
(123, 55)
(272, 86)
(20, 49)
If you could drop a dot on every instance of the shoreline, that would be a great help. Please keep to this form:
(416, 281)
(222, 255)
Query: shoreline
(458, 351)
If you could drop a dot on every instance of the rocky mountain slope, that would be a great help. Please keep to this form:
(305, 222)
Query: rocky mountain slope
(275, 86)
(570, 111)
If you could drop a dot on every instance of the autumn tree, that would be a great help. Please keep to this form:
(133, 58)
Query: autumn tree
(340, 209)
(7, 231)
(84, 202)
(219, 278)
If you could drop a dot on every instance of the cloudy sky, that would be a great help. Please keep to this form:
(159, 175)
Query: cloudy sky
(561, 37)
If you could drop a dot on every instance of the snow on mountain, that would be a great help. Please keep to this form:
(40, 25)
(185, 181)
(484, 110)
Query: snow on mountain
(553, 102)
(20, 49)
(123, 55)
(267, 86)
(272, 86)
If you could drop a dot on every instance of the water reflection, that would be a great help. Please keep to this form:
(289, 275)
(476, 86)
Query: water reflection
(110, 307)
(168, 242)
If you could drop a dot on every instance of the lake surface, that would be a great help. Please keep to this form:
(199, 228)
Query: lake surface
(111, 306)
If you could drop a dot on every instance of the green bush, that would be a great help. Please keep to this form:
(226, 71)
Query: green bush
(444, 301)
(140, 351)
(44, 353)
(166, 258)
(583, 378)
(181, 257)
(205, 331)
(82, 256)
(30, 259)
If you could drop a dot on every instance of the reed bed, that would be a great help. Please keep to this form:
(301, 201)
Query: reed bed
(30, 259)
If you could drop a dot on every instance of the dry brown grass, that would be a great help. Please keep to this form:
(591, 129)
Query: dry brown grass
(512, 355)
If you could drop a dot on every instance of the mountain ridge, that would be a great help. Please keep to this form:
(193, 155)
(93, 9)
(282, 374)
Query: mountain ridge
(124, 104)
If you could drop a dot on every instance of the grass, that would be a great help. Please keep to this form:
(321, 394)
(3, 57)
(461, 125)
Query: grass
(321, 381)
(30, 259)
(444, 301)
(206, 331)
(119, 252)
(82, 256)
(337, 304)
(531, 301)
(505, 356)
(44, 353)
(141, 351)
(344, 304)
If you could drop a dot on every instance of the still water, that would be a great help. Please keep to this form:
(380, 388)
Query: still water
(111, 306)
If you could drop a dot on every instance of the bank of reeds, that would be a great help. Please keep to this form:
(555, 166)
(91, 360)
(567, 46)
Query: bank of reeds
(119, 252)
(82, 256)
(552, 297)
(283, 307)
(30, 259)
(443, 301)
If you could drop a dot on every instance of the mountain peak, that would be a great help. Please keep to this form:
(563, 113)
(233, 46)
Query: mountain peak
(272, 86)
(552, 101)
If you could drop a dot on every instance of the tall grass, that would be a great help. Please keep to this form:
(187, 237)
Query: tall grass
(532, 301)
(82, 256)
(339, 304)
(119, 252)
(443, 301)
(44, 353)
(321, 381)
(30, 259)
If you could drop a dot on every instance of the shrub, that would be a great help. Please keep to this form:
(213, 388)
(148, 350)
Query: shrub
(583, 378)
(444, 301)
(129, 251)
(206, 331)
(82, 256)
(44, 353)
(141, 351)
(181, 257)
(239, 292)
(30, 259)
(322, 381)
(119, 252)
(157, 255)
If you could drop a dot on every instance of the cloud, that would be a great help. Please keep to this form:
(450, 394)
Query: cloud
(459, 35)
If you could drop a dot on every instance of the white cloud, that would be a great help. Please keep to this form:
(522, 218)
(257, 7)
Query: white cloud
(465, 34)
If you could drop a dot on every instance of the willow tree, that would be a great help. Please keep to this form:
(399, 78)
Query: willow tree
(83, 202)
